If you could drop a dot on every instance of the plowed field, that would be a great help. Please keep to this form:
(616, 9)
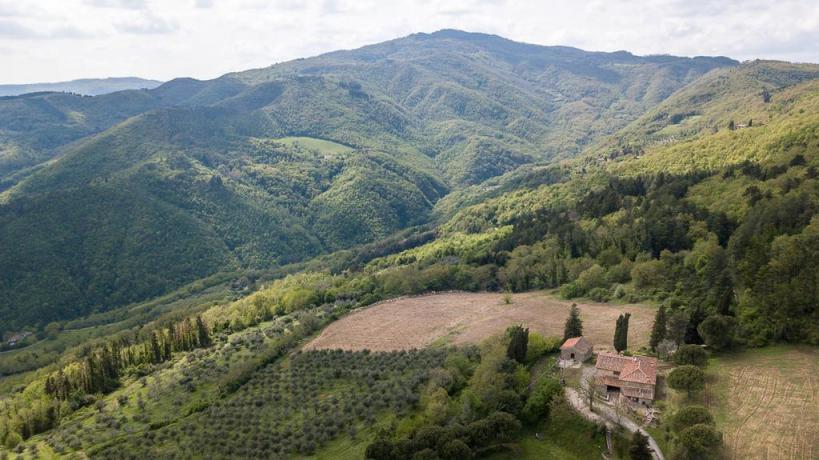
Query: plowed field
(415, 322)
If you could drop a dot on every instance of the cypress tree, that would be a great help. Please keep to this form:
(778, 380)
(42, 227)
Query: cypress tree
(621, 332)
(518, 343)
(659, 329)
(574, 325)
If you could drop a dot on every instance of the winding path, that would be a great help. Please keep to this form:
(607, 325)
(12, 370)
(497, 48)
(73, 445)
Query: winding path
(606, 416)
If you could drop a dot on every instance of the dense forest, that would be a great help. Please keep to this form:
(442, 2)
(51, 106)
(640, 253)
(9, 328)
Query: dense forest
(129, 195)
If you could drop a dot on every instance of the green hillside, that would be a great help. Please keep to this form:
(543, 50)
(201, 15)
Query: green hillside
(272, 166)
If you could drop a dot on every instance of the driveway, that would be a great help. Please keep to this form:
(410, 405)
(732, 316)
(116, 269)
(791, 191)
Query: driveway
(605, 415)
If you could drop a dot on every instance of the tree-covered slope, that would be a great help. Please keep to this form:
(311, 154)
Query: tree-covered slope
(739, 94)
(485, 104)
(175, 195)
(210, 164)
(718, 225)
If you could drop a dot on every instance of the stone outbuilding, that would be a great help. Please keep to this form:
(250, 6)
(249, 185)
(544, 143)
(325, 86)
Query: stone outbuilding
(634, 377)
(576, 349)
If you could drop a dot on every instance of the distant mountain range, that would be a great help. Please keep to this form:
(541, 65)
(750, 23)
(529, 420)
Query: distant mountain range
(85, 86)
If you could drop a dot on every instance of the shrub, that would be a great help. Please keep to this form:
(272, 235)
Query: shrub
(540, 346)
(571, 290)
(718, 331)
(691, 354)
(638, 447)
(456, 450)
(687, 378)
(698, 442)
(599, 294)
(591, 278)
(690, 416)
(537, 405)
(648, 274)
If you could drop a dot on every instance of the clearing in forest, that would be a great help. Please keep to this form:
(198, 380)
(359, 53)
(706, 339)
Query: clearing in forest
(462, 317)
(767, 402)
(319, 145)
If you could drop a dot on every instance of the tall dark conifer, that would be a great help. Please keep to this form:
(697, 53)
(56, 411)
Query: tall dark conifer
(621, 332)
(518, 343)
(659, 330)
(203, 335)
(574, 325)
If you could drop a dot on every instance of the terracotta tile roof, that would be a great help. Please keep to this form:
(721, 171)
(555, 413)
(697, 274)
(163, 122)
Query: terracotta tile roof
(577, 342)
(637, 369)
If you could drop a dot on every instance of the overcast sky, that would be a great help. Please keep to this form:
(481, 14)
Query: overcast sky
(53, 40)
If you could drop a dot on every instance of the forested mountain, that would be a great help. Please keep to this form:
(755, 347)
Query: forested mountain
(117, 198)
(84, 86)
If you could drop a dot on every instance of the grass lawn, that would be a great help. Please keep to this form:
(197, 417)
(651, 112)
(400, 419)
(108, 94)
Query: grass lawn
(320, 145)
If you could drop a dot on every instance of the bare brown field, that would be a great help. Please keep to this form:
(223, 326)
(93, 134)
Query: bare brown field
(416, 322)
(767, 403)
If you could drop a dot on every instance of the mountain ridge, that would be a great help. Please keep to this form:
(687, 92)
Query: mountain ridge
(82, 86)
(423, 116)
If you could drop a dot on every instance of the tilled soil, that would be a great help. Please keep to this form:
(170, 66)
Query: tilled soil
(461, 317)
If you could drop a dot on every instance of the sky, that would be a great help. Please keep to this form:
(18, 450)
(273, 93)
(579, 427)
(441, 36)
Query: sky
(55, 40)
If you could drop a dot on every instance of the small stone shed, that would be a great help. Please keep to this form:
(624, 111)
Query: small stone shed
(576, 349)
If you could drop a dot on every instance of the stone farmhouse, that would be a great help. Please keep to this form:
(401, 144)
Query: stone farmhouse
(576, 349)
(634, 377)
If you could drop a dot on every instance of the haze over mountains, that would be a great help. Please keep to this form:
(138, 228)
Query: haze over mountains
(124, 196)
(84, 86)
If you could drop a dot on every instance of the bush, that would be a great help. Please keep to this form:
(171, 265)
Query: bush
(599, 294)
(380, 449)
(690, 416)
(691, 354)
(698, 442)
(455, 450)
(648, 274)
(687, 378)
(718, 331)
(591, 278)
(539, 346)
(571, 290)
(537, 405)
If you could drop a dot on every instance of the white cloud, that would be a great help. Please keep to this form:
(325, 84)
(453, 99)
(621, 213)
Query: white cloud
(206, 38)
(147, 24)
(127, 4)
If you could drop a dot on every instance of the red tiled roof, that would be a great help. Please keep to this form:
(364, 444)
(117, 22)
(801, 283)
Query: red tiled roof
(576, 342)
(637, 369)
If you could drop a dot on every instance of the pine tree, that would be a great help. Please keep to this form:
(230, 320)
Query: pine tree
(659, 329)
(574, 325)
